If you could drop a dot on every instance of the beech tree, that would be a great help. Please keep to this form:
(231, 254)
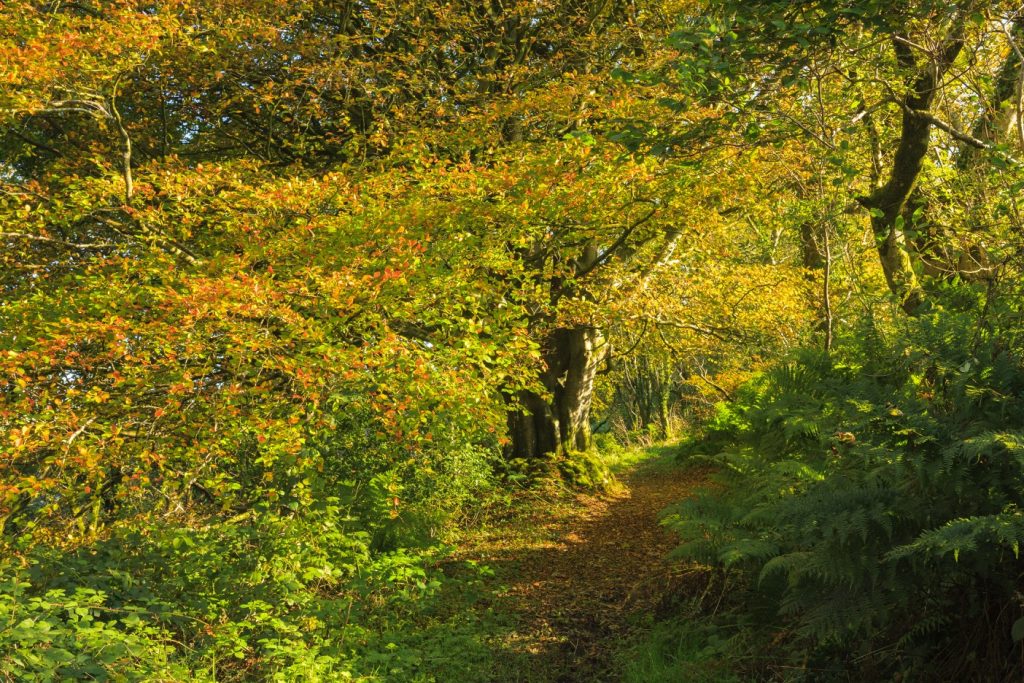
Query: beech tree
(229, 231)
(253, 251)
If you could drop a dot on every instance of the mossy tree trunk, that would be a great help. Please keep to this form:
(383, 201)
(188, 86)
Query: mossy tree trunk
(560, 420)
(888, 202)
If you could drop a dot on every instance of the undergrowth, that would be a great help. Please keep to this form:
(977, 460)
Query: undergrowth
(869, 505)
(360, 586)
(354, 583)
(303, 597)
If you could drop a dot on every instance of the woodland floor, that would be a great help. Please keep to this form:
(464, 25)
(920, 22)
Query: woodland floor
(581, 574)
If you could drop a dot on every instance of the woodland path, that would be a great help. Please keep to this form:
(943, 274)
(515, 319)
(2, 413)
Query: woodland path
(583, 572)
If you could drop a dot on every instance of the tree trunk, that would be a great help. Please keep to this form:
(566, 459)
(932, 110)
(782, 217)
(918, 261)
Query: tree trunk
(559, 422)
(664, 414)
(898, 267)
(817, 256)
(532, 427)
(889, 201)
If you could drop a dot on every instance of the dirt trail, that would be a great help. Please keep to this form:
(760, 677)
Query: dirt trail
(591, 569)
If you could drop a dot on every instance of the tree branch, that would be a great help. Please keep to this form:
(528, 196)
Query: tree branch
(162, 241)
(607, 254)
(957, 134)
(52, 240)
(126, 148)
(658, 320)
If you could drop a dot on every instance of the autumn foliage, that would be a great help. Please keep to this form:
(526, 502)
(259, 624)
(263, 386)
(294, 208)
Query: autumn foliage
(291, 291)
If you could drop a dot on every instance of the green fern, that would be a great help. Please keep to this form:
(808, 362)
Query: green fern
(869, 496)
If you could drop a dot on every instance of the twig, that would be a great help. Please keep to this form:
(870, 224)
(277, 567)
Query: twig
(657, 320)
(41, 238)
(79, 431)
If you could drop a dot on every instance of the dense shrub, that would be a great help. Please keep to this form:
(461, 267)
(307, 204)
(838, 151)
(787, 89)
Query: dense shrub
(871, 503)
(272, 595)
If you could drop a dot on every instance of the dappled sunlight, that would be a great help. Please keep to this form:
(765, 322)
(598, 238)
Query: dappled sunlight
(582, 573)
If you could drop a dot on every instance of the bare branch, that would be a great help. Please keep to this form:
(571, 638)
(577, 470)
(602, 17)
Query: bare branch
(52, 240)
(957, 134)
(86, 106)
(909, 43)
(662, 322)
(698, 369)
(607, 254)
(79, 431)
(863, 111)
(714, 385)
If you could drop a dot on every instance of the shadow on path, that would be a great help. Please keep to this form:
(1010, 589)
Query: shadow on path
(594, 570)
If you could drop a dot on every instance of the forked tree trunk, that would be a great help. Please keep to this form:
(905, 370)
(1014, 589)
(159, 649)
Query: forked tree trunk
(889, 201)
(559, 422)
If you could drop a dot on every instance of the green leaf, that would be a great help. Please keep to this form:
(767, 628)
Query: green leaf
(1017, 632)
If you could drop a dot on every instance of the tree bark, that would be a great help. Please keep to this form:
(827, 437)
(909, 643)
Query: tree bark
(560, 421)
(889, 201)
(532, 427)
